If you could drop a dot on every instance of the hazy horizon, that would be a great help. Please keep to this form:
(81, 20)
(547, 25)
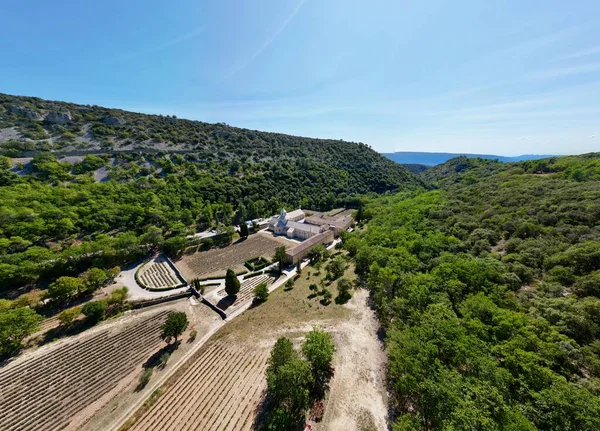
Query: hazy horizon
(504, 79)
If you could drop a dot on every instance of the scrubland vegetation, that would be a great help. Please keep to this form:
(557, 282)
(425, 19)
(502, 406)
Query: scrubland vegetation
(487, 291)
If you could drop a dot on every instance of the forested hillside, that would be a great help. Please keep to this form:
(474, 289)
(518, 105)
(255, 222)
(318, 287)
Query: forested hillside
(144, 181)
(488, 291)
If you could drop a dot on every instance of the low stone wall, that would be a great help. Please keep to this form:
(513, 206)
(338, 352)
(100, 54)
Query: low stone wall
(154, 301)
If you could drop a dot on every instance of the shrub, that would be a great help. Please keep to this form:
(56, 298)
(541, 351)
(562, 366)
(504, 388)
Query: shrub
(193, 335)
(261, 292)
(145, 378)
(95, 311)
(68, 316)
(326, 297)
(289, 285)
(162, 361)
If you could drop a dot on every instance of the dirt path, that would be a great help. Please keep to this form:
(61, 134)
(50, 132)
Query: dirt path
(357, 399)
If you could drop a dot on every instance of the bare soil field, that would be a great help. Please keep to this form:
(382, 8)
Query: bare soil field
(63, 384)
(222, 385)
(48, 387)
(218, 391)
(120, 403)
(217, 260)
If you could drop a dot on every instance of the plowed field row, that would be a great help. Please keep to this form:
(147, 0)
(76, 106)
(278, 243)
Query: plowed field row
(44, 392)
(219, 391)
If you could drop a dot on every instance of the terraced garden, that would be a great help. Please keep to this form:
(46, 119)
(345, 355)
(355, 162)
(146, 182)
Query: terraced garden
(159, 274)
(45, 391)
(245, 295)
(219, 390)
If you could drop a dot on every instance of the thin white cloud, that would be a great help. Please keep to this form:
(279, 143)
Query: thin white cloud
(164, 45)
(581, 53)
(567, 71)
(265, 45)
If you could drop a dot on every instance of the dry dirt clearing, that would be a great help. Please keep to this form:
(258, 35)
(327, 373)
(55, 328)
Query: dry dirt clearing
(221, 386)
(217, 260)
(357, 399)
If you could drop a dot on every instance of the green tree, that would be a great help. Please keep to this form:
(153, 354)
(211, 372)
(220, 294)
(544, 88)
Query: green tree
(289, 386)
(280, 257)
(318, 253)
(118, 297)
(94, 279)
(289, 285)
(244, 230)
(64, 289)
(67, 317)
(337, 267)
(15, 325)
(174, 245)
(5, 305)
(226, 231)
(112, 273)
(232, 283)
(174, 326)
(261, 292)
(5, 162)
(318, 350)
(281, 353)
(94, 310)
(153, 237)
(344, 287)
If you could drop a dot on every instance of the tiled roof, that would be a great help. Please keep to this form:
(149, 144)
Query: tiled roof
(313, 240)
(303, 226)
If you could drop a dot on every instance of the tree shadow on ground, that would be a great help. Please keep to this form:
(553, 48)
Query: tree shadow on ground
(264, 411)
(226, 302)
(77, 327)
(154, 360)
(256, 302)
(339, 300)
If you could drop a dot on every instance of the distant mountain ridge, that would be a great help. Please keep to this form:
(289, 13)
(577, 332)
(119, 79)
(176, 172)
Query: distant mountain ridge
(432, 159)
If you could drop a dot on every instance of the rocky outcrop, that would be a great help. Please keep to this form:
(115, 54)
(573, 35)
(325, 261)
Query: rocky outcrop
(111, 120)
(56, 117)
(24, 112)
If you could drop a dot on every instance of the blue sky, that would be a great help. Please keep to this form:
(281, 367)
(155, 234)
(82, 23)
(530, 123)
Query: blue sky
(501, 77)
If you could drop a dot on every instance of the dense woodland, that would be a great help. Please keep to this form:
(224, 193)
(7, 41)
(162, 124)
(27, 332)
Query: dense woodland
(148, 181)
(488, 291)
(485, 276)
